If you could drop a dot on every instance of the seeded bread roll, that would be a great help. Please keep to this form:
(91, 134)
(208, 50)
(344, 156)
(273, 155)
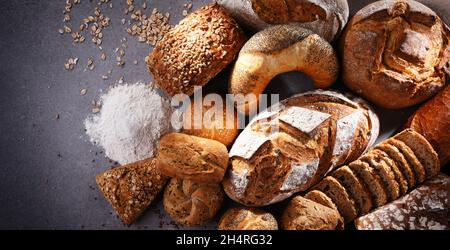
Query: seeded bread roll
(305, 214)
(326, 18)
(432, 120)
(195, 50)
(202, 120)
(247, 219)
(190, 203)
(279, 49)
(424, 208)
(130, 189)
(290, 147)
(395, 53)
(192, 158)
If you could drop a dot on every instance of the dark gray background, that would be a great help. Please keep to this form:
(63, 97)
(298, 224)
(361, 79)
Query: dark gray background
(47, 165)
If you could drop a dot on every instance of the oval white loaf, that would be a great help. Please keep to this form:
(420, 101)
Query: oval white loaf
(289, 147)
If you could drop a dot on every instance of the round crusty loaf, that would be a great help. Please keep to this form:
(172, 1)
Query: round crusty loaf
(288, 148)
(190, 203)
(432, 120)
(326, 18)
(209, 120)
(195, 50)
(247, 219)
(279, 49)
(305, 214)
(395, 53)
(191, 157)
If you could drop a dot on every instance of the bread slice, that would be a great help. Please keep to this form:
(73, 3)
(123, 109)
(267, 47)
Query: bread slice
(339, 195)
(372, 180)
(408, 154)
(399, 177)
(422, 149)
(323, 199)
(395, 154)
(384, 171)
(358, 192)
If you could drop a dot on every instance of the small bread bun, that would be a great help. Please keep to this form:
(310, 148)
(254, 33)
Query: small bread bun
(192, 158)
(247, 219)
(190, 203)
(211, 121)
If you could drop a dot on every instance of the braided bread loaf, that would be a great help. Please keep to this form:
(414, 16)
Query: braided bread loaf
(288, 148)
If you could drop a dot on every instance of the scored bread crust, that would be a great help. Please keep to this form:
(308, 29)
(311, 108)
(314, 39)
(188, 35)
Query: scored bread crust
(279, 49)
(395, 53)
(191, 157)
(316, 133)
(326, 18)
(190, 203)
(247, 219)
(195, 50)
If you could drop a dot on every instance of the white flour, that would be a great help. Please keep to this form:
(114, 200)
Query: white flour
(130, 123)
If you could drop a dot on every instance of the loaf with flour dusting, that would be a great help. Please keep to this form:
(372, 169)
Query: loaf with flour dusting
(289, 147)
(326, 18)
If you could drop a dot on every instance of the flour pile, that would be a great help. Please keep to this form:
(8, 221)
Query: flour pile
(130, 123)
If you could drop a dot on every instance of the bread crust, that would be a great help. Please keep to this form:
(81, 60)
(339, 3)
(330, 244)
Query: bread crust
(316, 133)
(393, 53)
(191, 157)
(247, 219)
(326, 18)
(190, 203)
(195, 50)
(131, 188)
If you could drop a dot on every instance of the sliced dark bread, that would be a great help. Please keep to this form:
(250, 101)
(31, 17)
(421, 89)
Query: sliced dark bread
(355, 188)
(321, 198)
(373, 182)
(384, 171)
(395, 154)
(401, 180)
(422, 149)
(345, 204)
(411, 158)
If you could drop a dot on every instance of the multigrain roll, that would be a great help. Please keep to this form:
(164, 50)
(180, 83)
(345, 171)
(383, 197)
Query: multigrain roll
(215, 121)
(432, 120)
(131, 188)
(395, 53)
(195, 50)
(326, 18)
(190, 203)
(279, 49)
(192, 158)
(247, 219)
(290, 147)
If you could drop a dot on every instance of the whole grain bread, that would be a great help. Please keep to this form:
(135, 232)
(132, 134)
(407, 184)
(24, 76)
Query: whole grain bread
(195, 50)
(131, 188)
(373, 181)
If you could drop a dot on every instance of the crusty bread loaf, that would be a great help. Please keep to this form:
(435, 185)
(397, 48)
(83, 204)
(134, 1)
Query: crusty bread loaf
(195, 50)
(190, 203)
(247, 219)
(305, 214)
(279, 49)
(191, 157)
(304, 138)
(426, 207)
(378, 174)
(395, 53)
(326, 18)
(131, 188)
(211, 121)
(432, 120)
(288, 148)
